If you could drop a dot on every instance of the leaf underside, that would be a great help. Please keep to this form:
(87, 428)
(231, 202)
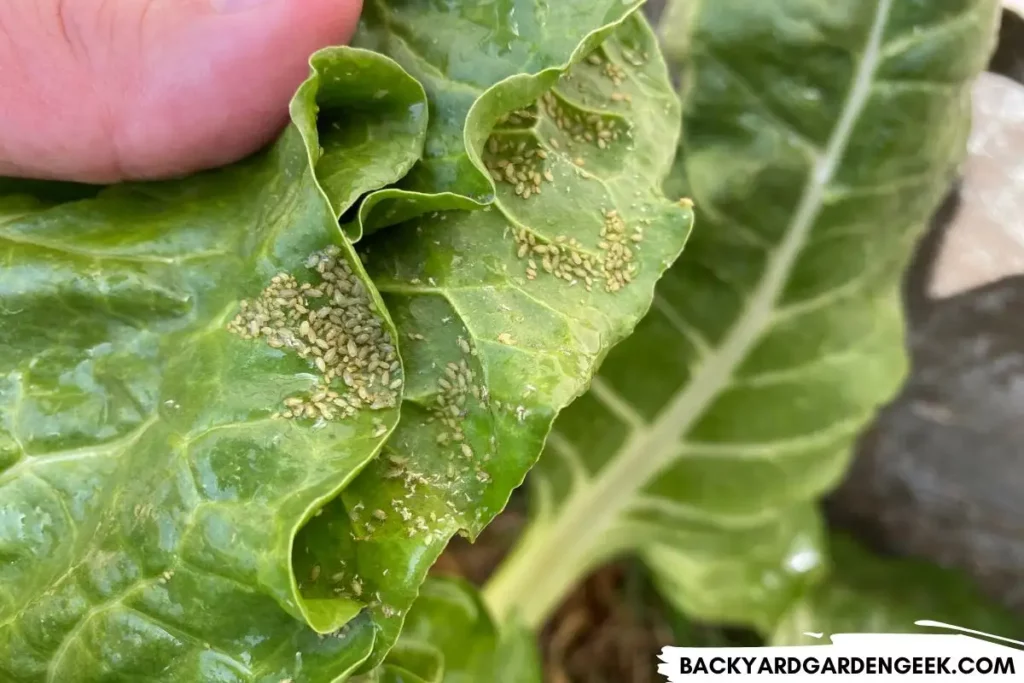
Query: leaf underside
(150, 489)
(494, 344)
(477, 61)
(817, 140)
(171, 463)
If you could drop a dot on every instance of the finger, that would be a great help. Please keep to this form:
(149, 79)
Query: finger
(106, 90)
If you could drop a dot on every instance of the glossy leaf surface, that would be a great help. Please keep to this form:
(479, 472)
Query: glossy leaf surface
(461, 51)
(817, 140)
(449, 637)
(494, 345)
(148, 499)
(478, 60)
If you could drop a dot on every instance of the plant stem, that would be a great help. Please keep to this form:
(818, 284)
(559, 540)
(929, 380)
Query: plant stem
(559, 547)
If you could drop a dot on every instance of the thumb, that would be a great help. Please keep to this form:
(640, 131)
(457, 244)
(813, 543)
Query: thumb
(106, 90)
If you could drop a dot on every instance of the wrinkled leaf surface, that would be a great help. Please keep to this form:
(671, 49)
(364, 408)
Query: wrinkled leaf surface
(494, 345)
(477, 60)
(148, 499)
(818, 137)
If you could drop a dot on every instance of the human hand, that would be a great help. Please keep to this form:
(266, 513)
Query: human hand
(106, 90)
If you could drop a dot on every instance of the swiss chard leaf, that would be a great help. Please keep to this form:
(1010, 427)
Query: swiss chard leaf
(149, 498)
(817, 140)
(494, 344)
(747, 575)
(450, 637)
(866, 594)
(476, 55)
(478, 60)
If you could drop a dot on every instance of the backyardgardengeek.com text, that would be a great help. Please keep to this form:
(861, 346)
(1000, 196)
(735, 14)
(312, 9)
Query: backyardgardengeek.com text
(851, 665)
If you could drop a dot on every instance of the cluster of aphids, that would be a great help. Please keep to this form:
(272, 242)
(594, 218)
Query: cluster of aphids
(515, 155)
(613, 263)
(331, 323)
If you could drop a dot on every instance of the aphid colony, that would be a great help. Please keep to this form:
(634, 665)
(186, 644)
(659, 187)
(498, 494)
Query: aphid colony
(351, 587)
(615, 73)
(592, 128)
(454, 388)
(518, 165)
(460, 462)
(333, 325)
(455, 384)
(566, 258)
(522, 163)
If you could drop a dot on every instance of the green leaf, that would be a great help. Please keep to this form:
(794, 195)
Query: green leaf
(449, 637)
(817, 140)
(493, 347)
(148, 498)
(478, 60)
(372, 128)
(747, 575)
(866, 594)
(478, 55)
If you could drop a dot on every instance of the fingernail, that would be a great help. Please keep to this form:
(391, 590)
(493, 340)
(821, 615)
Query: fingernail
(227, 6)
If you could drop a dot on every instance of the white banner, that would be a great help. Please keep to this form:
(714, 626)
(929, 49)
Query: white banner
(964, 656)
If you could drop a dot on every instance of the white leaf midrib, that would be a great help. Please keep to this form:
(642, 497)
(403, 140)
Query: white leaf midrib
(590, 510)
